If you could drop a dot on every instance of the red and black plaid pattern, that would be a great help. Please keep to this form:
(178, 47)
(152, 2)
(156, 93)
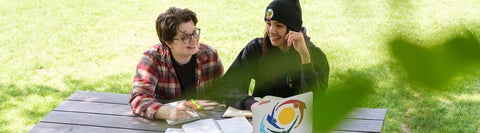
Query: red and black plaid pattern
(156, 77)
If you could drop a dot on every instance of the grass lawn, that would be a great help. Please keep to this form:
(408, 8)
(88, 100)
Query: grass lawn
(50, 48)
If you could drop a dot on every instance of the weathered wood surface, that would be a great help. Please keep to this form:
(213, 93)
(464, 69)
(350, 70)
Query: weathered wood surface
(110, 113)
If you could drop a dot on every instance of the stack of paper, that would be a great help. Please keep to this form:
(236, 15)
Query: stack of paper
(234, 112)
(231, 125)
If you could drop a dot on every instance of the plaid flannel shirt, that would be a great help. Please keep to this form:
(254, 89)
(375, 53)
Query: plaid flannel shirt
(156, 78)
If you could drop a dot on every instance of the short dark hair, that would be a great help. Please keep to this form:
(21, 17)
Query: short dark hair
(168, 22)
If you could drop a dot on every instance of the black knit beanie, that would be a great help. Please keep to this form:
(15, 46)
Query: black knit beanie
(287, 12)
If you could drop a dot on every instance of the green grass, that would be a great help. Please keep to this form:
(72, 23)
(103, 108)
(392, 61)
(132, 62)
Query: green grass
(51, 48)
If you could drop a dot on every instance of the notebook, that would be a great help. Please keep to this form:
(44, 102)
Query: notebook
(292, 114)
(234, 112)
(230, 125)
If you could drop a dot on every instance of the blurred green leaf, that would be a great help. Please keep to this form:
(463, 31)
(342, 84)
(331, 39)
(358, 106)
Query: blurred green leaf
(436, 66)
(330, 109)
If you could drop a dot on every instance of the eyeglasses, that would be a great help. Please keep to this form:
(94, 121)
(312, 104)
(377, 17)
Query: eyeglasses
(187, 39)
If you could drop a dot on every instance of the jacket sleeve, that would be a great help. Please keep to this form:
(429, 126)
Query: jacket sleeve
(142, 101)
(316, 74)
(236, 81)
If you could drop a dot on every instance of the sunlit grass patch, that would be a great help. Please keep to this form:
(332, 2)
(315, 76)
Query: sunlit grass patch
(51, 48)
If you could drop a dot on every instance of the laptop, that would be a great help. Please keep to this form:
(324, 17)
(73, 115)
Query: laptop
(292, 114)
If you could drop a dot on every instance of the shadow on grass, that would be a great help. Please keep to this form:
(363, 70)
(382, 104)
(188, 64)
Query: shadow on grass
(30, 103)
(25, 104)
(437, 78)
(118, 83)
(422, 80)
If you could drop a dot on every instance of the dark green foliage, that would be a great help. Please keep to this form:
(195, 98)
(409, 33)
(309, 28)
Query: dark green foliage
(436, 66)
(331, 108)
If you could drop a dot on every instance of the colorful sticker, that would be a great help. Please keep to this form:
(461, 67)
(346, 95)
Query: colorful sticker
(284, 117)
(269, 14)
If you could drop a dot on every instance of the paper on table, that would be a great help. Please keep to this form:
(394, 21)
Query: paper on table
(234, 112)
(231, 125)
(202, 126)
(235, 125)
(174, 130)
(269, 97)
(194, 115)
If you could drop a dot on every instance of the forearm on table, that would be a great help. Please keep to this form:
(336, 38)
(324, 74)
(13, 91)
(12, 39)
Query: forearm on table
(234, 94)
(144, 105)
(248, 102)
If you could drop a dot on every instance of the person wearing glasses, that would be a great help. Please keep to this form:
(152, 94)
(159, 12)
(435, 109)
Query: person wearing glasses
(283, 63)
(179, 67)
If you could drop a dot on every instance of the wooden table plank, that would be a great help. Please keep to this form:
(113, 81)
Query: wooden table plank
(107, 112)
(99, 97)
(345, 132)
(368, 113)
(92, 107)
(115, 109)
(360, 125)
(63, 128)
(360, 113)
(110, 121)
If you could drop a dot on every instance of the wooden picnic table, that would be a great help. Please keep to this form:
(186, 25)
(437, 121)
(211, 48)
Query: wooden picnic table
(110, 113)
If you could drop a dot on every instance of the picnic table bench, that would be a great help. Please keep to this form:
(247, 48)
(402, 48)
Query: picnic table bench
(110, 113)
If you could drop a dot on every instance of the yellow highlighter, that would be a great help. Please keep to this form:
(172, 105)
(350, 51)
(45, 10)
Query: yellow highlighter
(196, 105)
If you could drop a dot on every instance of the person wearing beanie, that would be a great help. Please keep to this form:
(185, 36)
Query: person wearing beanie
(283, 63)
(178, 67)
